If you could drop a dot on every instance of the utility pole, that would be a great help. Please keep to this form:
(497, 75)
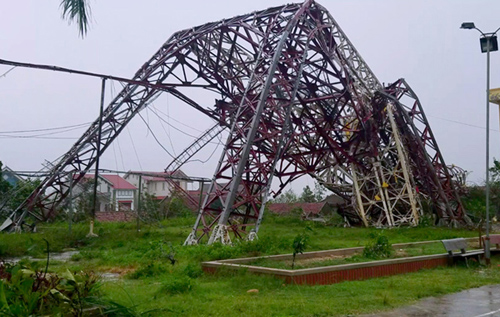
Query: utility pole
(489, 44)
(139, 203)
(98, 154)
(70, 212)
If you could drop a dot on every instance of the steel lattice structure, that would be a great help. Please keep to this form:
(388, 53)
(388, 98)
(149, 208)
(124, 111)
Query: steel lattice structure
(296, 98)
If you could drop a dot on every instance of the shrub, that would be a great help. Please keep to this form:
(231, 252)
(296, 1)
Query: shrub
(157, 251)
(299, 245)
(149, 270)
(379, 248)
(193, 270)
(26, 292)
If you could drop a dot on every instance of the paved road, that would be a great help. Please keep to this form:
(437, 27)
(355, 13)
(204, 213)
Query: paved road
(476, 302)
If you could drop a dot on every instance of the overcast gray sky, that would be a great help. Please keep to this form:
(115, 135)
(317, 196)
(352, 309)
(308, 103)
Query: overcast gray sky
(417, 40)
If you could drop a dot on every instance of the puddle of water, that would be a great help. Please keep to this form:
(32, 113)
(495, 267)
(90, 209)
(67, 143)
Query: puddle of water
(483, 301)
(109, 277)
(64, 257)
(60, 256)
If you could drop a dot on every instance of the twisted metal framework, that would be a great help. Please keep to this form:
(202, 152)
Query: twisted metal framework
(297, 99)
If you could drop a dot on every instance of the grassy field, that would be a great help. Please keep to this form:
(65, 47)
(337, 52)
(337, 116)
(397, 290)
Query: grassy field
(147, 279)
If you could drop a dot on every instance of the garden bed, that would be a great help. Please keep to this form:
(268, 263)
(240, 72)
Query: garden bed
(333, 266)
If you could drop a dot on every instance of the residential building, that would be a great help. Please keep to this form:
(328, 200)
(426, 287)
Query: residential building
(124, 193)
(158, 184)
(114, 192)
(10, 176)
(305, 210)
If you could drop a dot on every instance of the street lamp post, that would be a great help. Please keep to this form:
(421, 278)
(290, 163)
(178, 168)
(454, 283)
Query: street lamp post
(489, 44)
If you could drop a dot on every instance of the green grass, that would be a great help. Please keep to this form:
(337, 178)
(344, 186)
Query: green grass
(226, 294)
(428, 249)
(149, 281)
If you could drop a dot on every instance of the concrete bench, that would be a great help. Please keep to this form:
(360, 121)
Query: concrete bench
(460, 244)
(494, 240)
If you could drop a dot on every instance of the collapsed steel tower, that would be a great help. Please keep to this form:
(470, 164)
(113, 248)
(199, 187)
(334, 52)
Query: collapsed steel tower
(296, 98)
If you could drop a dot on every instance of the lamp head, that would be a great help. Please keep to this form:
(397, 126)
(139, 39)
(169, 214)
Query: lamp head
(468, 25)
(489, 40)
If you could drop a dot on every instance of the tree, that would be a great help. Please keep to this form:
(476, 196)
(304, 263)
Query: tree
(79, 11)
(22, 191)
(151, 208)
(495, 186)
(287, 197)
(319, 191)
(4, 185)
(308, 195)
(84, 198)
(495, 171)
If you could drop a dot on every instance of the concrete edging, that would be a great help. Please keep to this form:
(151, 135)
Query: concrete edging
(337, 273)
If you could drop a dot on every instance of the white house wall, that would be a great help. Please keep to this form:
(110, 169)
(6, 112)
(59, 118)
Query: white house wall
(153, 187)
(124, 195)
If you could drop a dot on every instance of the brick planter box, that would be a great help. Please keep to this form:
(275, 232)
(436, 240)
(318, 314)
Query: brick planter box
(336, 273)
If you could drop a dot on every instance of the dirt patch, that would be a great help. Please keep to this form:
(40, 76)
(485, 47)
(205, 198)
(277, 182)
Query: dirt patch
(116, 272)
(321, 259)
(401, 253)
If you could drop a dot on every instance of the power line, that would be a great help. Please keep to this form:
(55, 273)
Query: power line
(133, 146)
(37, 137)
(180, 122)
(41, 135)
(167, 133)
(5, 74)
(213, 152)
(462, 123)
(48, 129)
(154, 136)
(121, 153)
(183, 132)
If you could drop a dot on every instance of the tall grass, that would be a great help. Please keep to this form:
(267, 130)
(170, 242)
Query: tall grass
(182, 289)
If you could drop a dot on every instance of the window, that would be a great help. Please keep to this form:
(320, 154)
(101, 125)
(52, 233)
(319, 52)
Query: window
(125, 193)
(163, 186)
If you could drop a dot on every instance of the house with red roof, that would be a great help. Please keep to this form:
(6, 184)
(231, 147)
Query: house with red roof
(124, 193)
(305, 210)
(113, 191)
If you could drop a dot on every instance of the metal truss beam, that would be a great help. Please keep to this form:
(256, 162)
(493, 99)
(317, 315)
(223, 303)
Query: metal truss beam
(297, 99)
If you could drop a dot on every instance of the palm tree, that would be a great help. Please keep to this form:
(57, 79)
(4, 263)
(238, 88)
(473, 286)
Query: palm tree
(78, 10)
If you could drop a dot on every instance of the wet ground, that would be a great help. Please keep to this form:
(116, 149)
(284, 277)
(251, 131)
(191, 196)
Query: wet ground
(476, 302)
(64, 257)
(59, 256)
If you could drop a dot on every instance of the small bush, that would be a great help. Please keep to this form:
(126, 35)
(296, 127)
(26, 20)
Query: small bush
(193, 270)
(157, 251)
(149, 270)
(299, 245)
(426, 221)
(336, 220)
(379, 248)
